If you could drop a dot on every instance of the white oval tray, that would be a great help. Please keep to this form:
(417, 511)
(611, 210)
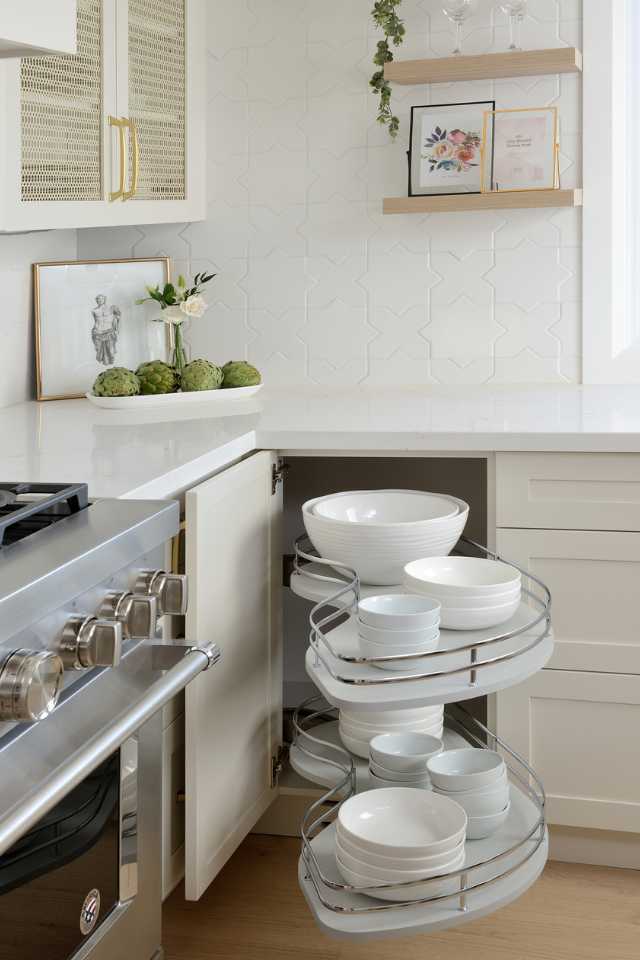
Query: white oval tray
(166, 399)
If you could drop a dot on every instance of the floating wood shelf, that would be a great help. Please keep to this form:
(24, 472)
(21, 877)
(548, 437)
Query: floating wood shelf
(487, 66)
(483, 201)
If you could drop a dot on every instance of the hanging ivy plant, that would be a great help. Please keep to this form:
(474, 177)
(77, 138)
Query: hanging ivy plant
(385, 16)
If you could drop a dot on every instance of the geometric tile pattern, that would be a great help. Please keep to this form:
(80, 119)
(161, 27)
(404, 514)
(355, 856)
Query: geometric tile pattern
(314, 284)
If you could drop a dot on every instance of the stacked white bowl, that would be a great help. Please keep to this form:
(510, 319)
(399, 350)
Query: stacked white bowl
(473, 593)
(477, 780)
(357, 730)
(377, 532)
(398, 625)
(400, 759)
(399, 836)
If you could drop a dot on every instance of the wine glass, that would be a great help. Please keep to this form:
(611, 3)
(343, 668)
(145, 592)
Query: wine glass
(458, 11)
(516, 11)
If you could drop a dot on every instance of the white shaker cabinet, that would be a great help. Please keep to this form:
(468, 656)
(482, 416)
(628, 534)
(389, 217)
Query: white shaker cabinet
(37, 27)
(113, 134)
(233, 714)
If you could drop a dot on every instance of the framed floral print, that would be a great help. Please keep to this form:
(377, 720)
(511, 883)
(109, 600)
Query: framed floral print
(87, 319)
(446, 148)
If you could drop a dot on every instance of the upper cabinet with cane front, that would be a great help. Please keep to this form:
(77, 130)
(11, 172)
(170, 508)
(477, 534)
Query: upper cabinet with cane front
(113, 134)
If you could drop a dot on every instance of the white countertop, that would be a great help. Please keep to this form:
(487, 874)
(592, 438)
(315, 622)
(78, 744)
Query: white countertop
(159, 452)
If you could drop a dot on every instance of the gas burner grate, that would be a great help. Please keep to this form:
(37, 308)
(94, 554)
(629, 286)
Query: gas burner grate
(27, 508)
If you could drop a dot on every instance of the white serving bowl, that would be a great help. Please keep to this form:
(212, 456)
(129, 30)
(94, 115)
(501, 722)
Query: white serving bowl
(382, 783)
(417, 891)
(386, 508)
(485, 804)
(478, 619)
(404, 752)
(361, 731)
(460, 577)
(355, 745)
(417, 774)
(399, 612)
(465, 769)
(400, 717)
(373, 651)
(480, 827)
(480, 603)
(422, 636)
(387, 874)
(358, 742)
(379, 552)
(401, 822)
(398, 863)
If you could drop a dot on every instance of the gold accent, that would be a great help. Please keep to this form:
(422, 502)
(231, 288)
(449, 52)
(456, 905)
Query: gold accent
(556, 149)
(37, 309)
(121, 124)
(176, 551)
(135, 158)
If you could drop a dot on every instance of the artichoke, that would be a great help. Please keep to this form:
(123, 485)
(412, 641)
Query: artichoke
(239, 373)
(201, 375)
(116, 382)
(158, 377)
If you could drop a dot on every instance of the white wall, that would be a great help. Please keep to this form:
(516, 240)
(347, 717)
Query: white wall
(315, 285)
(17, 253)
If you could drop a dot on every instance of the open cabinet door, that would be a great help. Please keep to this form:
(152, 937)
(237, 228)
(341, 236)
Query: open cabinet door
(233, 714)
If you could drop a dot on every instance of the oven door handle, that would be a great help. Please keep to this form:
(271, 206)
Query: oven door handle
(183, 661)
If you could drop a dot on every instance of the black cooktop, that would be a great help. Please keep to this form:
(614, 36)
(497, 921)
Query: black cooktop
(27, 508)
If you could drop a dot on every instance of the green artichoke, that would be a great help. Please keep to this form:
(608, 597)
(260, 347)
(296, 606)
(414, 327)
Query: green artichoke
(201, 375)
(158, 377)
(116, 382)
(239, 373)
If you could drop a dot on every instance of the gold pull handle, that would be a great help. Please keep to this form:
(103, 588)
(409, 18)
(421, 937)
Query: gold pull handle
(135, 157)
(121, 125)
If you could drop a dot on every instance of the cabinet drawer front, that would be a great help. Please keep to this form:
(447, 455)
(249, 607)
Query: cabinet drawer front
(580, 491)
(593, 578)
(580, 733)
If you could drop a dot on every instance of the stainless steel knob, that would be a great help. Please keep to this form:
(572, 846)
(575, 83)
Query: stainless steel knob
(138, 614)
(170, 590)
(89, 642)
(30, 685)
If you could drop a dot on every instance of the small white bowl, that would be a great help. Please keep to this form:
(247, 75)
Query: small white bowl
(481, 804)
(361, 740)
(399, 611)
(401, 822)
(418, 774)
(423, 636)
(460, 576)
(465, 768)
(404, 751)
(380, 783)
(453, 619)
(385, 508)
(480, 827)
(398, 863)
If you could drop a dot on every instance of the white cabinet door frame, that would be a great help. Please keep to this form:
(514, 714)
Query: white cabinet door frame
(233, 713)
(579, 731)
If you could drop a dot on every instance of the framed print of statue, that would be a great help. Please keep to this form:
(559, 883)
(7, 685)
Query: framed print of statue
(87, 319)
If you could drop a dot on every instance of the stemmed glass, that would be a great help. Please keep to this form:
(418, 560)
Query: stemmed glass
(458, 11)
(516, 11)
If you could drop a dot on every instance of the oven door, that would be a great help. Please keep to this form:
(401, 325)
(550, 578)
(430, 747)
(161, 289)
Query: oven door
(65, 884)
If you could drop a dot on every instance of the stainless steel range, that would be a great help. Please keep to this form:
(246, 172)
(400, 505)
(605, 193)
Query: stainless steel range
(83, 674)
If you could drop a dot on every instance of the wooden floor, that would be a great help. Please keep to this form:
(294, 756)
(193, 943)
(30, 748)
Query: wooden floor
(254, 911)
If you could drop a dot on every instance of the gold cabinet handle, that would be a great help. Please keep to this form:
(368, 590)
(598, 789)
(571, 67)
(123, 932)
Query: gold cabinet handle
(121, 125)
(135, 158)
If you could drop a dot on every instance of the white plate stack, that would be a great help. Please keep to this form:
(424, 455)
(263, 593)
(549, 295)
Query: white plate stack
(358, 729)
(400, 836)
(473, 593)
(398, 625)
(377, 532)
(477, 780)
(400, 759)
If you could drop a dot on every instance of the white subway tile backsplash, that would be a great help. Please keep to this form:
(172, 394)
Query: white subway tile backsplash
(315, 285)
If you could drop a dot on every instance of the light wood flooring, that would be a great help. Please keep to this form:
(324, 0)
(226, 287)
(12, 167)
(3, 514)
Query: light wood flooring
(254, 911)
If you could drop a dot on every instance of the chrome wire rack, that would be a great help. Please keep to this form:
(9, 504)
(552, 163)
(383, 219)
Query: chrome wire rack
(322, 814)
(470, 650)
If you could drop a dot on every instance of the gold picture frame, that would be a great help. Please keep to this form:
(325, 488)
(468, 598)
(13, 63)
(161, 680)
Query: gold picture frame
(485, 140)
(163, 275)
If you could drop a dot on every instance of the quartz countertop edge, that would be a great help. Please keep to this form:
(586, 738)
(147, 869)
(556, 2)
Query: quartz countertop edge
(163, 451)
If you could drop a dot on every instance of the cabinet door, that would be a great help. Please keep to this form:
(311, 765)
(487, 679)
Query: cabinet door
(233, 713)
(593, 578)
(579, 731)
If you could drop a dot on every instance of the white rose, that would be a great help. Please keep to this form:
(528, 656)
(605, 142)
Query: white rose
(193, 306)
